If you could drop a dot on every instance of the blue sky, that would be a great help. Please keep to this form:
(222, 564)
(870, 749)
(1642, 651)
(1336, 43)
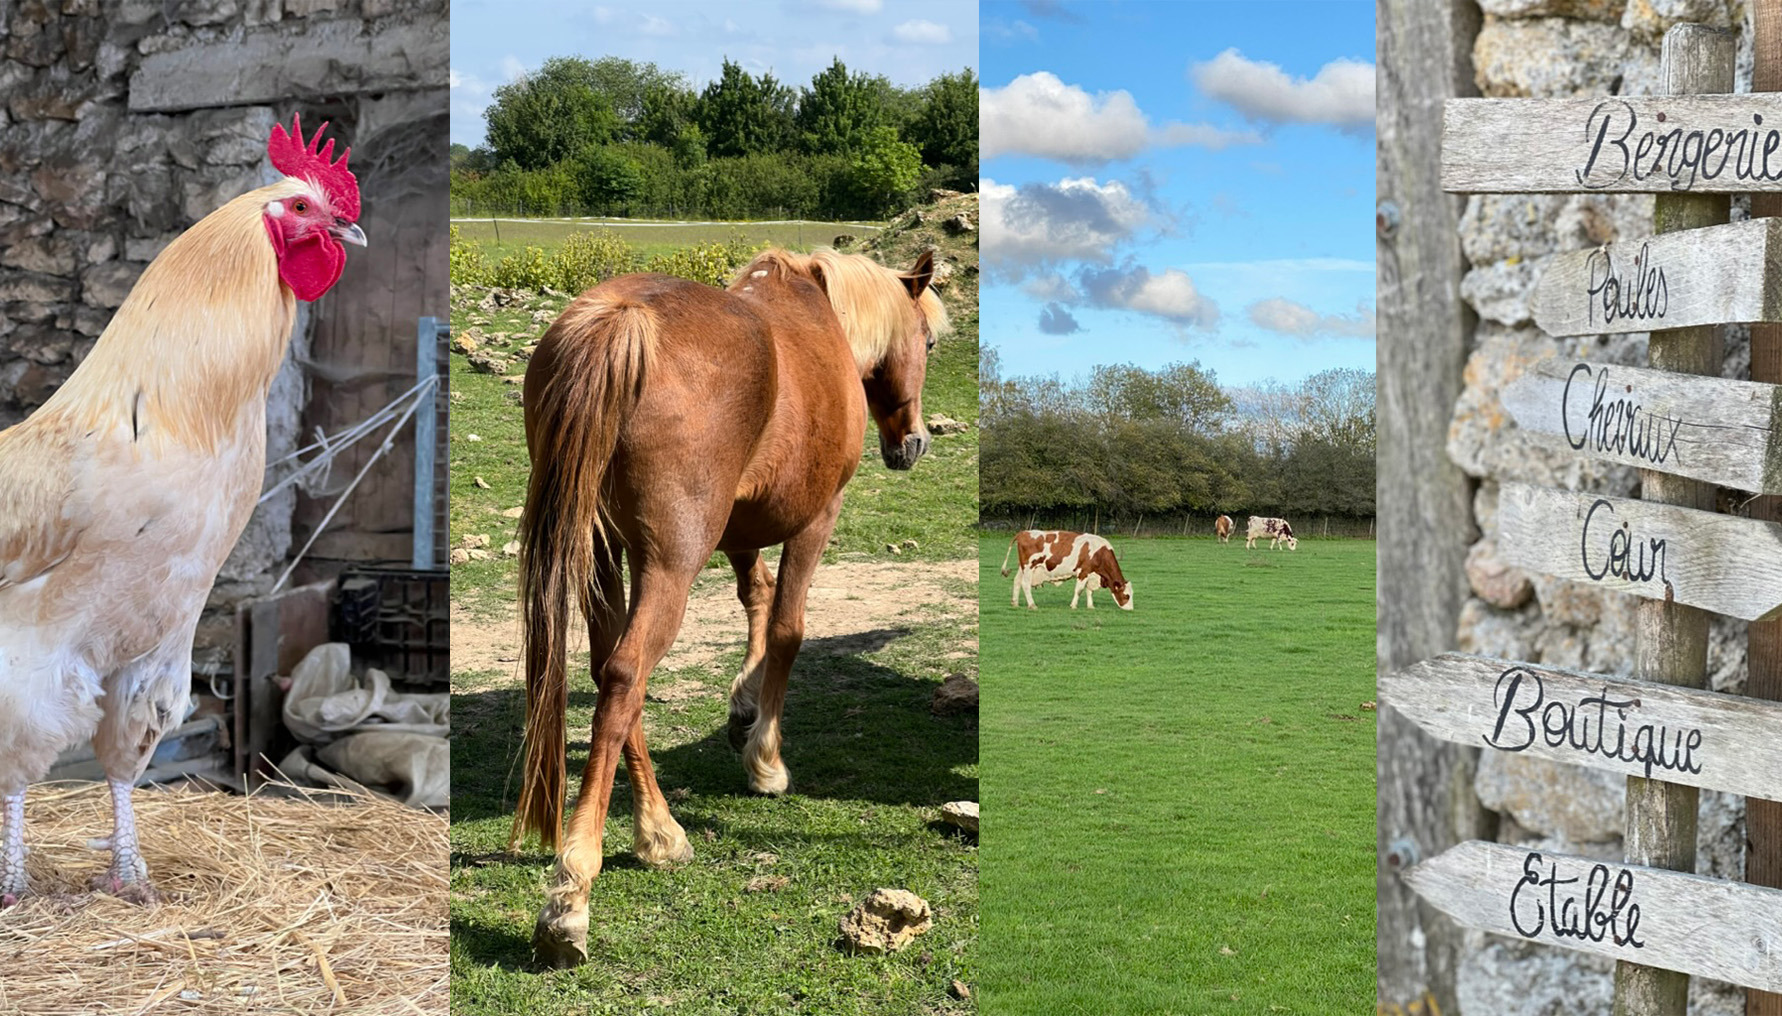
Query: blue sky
(908, 41)
(1234, 225)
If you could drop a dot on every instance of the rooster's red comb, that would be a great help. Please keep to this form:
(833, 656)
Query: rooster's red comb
(292, 156)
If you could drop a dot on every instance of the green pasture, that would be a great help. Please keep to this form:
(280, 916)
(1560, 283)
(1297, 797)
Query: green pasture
(1178, 801)
(500, 237)
(749, 926)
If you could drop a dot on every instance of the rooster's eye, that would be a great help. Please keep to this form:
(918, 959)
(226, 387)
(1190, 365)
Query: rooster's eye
(300, 206)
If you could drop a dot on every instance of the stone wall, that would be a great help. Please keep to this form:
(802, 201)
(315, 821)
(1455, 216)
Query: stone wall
(1542, 49)
(124, 121)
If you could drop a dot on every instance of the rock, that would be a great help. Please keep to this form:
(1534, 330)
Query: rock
(1494, 581)
(938, 194)
(473, 437)
(510, 549)
(941, 426)
(473, 540)
(479, 555)
(484, 363)
(960, 223)
(957, 694)
(842, 240)
(460, 556)
(1501, 292)
(1593, 10)
(1568, 803)
(963, 814)
(462, 343)
(1548, 58)
(910, 545)
(892, 548)
(515, 512)
(958, 990)
(481, 483)
(886, 921)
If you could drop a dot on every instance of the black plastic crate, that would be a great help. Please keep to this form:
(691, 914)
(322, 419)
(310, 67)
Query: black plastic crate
(398, 621)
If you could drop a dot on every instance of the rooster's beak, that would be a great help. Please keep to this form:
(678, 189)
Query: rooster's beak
(348, 233)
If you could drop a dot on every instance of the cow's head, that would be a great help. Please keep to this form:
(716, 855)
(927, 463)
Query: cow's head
(1122, 591)
(1107, 569)
(1292, 542)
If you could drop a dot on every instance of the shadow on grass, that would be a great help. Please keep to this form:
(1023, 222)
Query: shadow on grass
(853, 729)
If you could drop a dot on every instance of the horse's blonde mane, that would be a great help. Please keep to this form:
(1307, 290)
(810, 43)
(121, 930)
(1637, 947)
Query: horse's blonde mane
(868, 298)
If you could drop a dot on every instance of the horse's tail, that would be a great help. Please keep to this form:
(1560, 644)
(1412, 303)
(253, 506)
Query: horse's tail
(1006, 553)
(595, 359)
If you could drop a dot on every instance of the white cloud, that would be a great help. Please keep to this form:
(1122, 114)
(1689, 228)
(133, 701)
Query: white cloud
(1340, 94)
(1278, 314)
(1042, 223)
(1169, 294)
(922, 33)
(1038, 114)
(853, 6)
(511, 68)
(1010, 31)
(1055, 320)
(653, 25)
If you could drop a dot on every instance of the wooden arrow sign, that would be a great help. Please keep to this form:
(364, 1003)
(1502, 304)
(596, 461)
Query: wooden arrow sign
(1715, 275)
(1703, 926)
(1634, 728)
(1706, 428)
(1639, 143)
(1722, 563)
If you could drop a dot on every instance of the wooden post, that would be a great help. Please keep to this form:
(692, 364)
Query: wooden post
(1671, 640)
(1426, 802)
(1763, 819)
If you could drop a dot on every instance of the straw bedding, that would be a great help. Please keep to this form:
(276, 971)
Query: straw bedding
(267, 905)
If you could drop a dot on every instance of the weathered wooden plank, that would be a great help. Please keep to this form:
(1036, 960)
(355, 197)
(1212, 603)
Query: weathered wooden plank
(1703, 926)
(1724, 432)
(1634, 728)
(1636, 143)
(1716, 275)
(1721, 563)
(1425, 795)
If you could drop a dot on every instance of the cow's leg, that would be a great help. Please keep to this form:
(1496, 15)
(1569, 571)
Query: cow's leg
(1089, 591)
(754, 587)
(1015, 590)
(656, 838)
(785, 633)
(1076, 591)
(1027, 585)
(659, 599)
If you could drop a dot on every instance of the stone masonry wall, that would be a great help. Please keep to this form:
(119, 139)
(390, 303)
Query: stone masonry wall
(1558, 48)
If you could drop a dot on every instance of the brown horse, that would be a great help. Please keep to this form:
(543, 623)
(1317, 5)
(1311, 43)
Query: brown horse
(665, 420)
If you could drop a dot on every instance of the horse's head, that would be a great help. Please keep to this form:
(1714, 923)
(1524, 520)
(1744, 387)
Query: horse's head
(894, 382)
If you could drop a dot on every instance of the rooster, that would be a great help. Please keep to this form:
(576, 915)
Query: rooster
(123, 494)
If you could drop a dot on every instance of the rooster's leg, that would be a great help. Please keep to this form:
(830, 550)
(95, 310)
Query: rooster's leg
(12, 856)
(127, 865)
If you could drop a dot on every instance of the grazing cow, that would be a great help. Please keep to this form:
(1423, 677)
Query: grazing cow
(1054, 555)
(1223, 527)
(1277, 531)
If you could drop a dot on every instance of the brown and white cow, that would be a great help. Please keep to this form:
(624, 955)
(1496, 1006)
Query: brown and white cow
(1222, 527)
(1277, 531)
(1043, 556)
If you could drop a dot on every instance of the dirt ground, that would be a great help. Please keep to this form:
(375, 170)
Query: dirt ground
(846, 599)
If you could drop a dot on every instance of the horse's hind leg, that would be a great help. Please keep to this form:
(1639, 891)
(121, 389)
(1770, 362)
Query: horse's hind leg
(754, 587)
(560, 937)
(785, 633)
(657, 839)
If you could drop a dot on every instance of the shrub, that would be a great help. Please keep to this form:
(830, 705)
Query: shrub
(529, 269)
(710, 263)
(469, 266)
(588, 257)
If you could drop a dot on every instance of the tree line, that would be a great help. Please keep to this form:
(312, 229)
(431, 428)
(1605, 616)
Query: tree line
(619, 137)
(1173, 446)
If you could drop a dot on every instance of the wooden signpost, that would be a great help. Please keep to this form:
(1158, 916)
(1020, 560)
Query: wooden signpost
(1721, 563)
(1709, 144)
(1724, 432)
(1688, 431)
(1724, 930)
(1634, 728)
(1716, 275)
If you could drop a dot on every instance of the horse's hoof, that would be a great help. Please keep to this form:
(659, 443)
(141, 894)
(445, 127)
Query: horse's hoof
(739, 730)
(560, 943)
(663, 851)
(772, 783)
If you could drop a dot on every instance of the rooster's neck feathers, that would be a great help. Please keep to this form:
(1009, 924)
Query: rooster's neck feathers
(198, 339)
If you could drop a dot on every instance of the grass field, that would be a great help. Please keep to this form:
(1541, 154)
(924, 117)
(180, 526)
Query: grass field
(500, 237)
(1179, 800)
(749, 925)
